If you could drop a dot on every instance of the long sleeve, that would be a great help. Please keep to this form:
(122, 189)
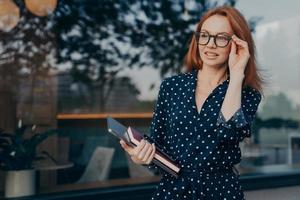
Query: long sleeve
(239, 125)
(159, 121)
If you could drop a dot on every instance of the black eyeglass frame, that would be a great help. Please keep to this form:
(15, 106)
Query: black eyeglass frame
(197, 35)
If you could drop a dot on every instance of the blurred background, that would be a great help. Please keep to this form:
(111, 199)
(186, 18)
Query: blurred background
(68, 64)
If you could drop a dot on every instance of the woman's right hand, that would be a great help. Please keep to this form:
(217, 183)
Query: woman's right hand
(141, 154)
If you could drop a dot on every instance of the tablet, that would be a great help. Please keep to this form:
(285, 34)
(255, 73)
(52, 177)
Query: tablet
(118, 130)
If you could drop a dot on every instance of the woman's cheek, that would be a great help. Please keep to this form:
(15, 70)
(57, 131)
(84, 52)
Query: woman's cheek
(200, 53)
(225, 55)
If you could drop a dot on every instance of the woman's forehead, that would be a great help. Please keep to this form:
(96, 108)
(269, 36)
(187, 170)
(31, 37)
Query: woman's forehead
(217, 24)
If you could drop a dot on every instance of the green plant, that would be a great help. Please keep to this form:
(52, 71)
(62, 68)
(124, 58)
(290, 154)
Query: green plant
(18, 152)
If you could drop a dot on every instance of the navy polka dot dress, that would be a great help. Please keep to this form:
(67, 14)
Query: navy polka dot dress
(204, 144)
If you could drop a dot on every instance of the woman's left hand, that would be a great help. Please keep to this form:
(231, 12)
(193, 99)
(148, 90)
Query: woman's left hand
(238, 57)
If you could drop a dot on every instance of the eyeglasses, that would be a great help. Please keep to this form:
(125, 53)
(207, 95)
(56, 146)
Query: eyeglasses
(220, 40)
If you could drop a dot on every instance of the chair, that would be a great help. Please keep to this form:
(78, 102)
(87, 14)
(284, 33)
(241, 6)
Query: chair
(293, 148)
(91, 143)
(136, 170)
(98, 168)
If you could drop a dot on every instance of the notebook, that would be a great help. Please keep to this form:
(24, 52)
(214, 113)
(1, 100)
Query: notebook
(132, 137)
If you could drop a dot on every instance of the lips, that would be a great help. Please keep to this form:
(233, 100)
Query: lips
(209, 53)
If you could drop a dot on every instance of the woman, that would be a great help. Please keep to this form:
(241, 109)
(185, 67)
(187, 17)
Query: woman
(202, 115)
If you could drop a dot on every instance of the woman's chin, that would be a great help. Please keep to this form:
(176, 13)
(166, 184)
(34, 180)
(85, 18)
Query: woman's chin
(212, 62)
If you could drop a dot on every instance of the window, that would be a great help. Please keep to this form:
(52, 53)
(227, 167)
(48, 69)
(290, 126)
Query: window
(86, 60)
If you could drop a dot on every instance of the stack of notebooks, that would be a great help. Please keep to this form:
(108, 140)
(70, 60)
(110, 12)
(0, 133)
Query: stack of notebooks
(132, 138)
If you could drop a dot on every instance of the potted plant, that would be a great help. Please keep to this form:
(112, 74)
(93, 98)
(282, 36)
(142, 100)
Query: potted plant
(17, 156)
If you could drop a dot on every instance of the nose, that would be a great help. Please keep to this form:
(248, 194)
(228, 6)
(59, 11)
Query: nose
(211, 43)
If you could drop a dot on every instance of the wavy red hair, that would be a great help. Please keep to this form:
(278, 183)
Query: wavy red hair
(241, 29)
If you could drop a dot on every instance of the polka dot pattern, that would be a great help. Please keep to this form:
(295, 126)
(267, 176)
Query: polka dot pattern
(204, 144)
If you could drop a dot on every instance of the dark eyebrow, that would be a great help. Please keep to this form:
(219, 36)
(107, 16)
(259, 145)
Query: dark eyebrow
(217, 33)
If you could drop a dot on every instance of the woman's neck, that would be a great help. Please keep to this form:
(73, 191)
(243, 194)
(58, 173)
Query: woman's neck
(212, 76)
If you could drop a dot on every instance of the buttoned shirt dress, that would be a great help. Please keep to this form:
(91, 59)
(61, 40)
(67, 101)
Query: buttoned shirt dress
(203, 144)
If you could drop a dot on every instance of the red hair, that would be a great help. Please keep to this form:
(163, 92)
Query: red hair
(241, 29)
